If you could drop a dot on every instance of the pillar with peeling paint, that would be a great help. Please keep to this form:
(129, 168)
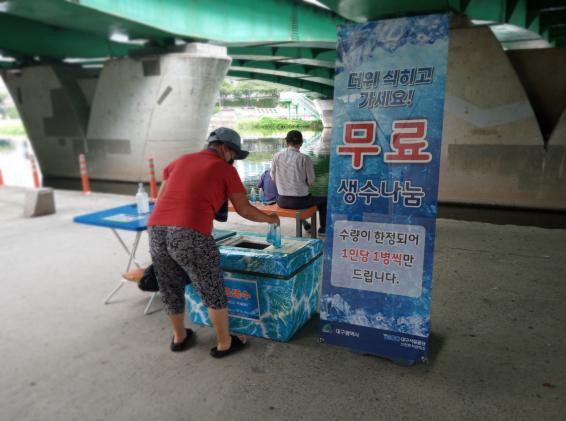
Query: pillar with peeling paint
(150, 106)
(155, 106)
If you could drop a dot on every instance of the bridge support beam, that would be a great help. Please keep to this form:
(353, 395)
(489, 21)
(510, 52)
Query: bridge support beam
(493, 151)
(324, 107)
(54, 102)
(156, 107)
(135, 108)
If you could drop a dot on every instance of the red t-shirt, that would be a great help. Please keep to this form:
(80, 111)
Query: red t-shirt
(197, 185)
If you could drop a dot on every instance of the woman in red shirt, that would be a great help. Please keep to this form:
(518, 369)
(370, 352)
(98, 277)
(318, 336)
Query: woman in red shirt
(194, 188)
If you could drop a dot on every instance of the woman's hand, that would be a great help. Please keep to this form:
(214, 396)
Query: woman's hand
(274, 219)
(246, 210)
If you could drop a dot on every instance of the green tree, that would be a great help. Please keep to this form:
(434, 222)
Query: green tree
(12, 112)
(225, 91)
(247, 90)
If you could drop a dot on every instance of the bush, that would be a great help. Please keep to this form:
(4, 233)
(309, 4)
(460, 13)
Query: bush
(252, 102)
(279, 124)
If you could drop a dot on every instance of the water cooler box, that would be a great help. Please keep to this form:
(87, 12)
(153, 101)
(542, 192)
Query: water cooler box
(272, 292)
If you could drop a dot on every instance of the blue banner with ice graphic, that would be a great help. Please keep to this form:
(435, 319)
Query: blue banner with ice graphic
(383, 187)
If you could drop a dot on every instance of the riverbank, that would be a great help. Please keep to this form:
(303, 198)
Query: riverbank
(270, 125)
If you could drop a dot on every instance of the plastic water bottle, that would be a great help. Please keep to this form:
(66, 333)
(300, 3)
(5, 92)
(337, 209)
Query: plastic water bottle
(142, 200)
(253, 197)
(274, 235)
(270, 234)
(261, 196)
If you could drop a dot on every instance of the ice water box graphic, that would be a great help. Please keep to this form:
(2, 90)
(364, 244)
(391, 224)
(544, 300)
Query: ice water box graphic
(272, 292)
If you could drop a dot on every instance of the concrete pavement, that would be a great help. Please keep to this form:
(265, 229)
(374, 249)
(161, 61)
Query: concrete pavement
(498, 343)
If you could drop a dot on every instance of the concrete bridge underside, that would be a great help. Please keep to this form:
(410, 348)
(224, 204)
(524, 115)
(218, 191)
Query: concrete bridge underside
(494, 151)
(505, 119)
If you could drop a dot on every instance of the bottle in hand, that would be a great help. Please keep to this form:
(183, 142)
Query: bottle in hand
(274, 235)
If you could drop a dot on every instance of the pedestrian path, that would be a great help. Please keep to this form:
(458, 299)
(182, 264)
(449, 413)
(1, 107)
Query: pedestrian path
(497, 342)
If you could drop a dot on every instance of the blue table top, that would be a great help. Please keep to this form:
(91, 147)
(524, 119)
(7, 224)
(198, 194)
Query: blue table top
(122, 217)
(126, 218)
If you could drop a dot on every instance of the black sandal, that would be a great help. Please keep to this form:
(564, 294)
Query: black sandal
(182, 346)
(235, 346)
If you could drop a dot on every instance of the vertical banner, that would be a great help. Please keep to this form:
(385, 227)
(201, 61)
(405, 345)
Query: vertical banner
(383, 187)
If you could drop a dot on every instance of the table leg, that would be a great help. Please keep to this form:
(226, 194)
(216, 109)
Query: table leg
(134, 249)
(114, 291)
(132, 254)
(298, 225)
(121, 241)
(149, 303)
(125, 247)
(313, 226)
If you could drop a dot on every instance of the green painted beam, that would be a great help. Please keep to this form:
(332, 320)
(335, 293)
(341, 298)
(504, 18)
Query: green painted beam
(285, 70)
(67, 15)
(28, 38)
(546, 4)
(557, 32)
(231, 22)
(533, 22)
(491, 10)
(538, 16)
(535, 15)
(307, 56)
(516, 13)
(513, 9)
(325, 91)
(364, 10)
(551, 18)
(300, 36)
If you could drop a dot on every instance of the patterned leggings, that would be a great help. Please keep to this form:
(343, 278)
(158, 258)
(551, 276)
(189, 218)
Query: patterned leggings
(176, 249)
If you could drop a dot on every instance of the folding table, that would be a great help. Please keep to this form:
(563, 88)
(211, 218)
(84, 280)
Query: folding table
(126, 218)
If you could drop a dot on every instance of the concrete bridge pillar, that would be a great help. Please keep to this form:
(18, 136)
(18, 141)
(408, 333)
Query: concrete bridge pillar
(153, 106)
(324, 107)
(156, 107)
(54, 102)
(493, 150)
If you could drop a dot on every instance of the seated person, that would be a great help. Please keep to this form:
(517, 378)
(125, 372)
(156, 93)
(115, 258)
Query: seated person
(293, 174)
(269, 188)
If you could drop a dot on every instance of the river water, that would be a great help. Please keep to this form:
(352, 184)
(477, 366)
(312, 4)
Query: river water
(262, 148)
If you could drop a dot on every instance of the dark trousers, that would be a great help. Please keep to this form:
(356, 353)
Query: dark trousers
(302, 202)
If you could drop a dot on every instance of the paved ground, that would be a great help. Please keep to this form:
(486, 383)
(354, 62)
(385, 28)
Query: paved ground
(498, 340)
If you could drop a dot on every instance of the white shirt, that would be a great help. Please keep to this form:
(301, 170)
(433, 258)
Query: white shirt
(293, 172)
